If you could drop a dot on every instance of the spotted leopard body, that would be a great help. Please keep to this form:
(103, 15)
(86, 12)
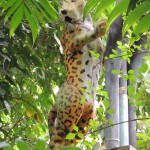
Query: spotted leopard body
(75, 99)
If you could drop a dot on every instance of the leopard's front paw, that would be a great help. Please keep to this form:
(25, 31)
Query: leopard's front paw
(100, 28)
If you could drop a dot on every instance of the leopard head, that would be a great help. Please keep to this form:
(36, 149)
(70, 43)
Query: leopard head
(71, 11)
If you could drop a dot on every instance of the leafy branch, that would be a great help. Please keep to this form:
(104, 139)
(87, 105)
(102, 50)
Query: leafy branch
(37, 13)
(135, 13)
(111, 125)
(29, 106)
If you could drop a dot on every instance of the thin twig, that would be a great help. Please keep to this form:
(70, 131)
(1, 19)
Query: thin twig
(111, 125)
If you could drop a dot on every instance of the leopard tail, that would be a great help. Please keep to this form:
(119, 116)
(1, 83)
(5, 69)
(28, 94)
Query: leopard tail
(51, 119)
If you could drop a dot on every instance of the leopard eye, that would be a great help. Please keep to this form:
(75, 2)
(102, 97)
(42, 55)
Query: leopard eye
(73, 0)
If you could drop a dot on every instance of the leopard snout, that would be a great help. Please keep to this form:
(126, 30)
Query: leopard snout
(64, 12)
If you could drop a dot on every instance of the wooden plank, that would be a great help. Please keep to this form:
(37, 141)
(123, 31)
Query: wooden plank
(128, 147)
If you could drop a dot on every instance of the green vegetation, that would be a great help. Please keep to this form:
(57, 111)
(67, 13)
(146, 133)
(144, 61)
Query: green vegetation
(32, 68)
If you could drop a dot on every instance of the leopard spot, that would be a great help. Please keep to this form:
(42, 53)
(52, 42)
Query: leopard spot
(74, 68)
(79, 62)
(89, 76)
(87, 62)
(82, 71)
(57, 141)
(83, 120)
(60, 134)
(80, 79)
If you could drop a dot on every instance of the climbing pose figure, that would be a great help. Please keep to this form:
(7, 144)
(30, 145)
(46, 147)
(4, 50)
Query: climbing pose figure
(75, 99)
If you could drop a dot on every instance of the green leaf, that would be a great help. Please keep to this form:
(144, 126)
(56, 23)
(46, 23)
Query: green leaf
(31, 109)
(89, 6)
(31, 9)
(42, 12)
(131, 89)
(112, 56)
(94, 54)
(102, 6)
(36, 12)
(76, 128)
(1, 1)
(36, 61)
(11, 10)
(119, 9)
(82, 99)
(143, 68)
(40, 117)
(69, 148)
(110, 111)
(115, 71)
(8, 4)
(4, 118)
(80, 135)
(147, 58)
(140, 143)
(70, 136)
(100, 110)
(40, 145)
(49, 9)
(28, 101)
(114, 51)
(56, 3)
(16, 19)
(106, 103)
(31, 23)
(131, 72)
(22, 145)
(142, 136)
(135, 15)
(27, 51)
(142, 26)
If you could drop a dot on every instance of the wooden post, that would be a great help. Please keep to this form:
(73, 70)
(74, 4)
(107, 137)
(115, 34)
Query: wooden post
(128, 147)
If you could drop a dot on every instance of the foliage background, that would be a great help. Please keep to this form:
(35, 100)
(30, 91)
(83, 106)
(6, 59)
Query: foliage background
(32, 68)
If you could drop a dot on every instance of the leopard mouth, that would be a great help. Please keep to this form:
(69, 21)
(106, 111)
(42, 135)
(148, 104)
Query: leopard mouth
(68, 19)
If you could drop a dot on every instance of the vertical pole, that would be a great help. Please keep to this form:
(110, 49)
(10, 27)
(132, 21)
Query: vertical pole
(112, 87)
(136, 61)
(123, 107)
(112, 83)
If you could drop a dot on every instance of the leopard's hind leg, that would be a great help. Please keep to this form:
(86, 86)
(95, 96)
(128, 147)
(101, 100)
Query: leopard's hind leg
(69, 112)
(85, 121)
(83, 124)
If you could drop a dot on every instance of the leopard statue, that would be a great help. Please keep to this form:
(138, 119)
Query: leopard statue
(75, 101)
